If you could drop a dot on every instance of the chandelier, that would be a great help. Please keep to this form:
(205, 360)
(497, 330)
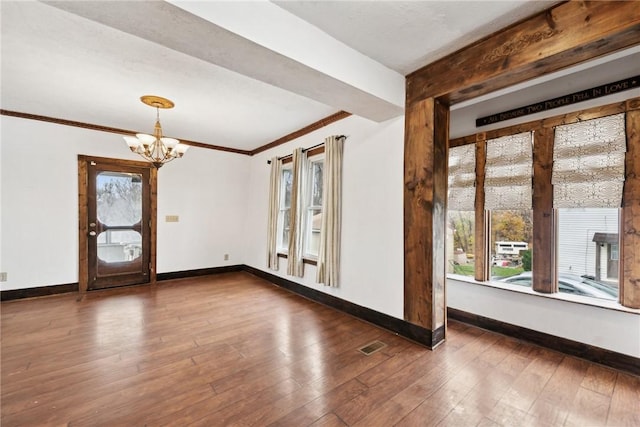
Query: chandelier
(156, 148)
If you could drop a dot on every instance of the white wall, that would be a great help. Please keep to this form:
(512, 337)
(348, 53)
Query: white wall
(372, 214)
(39, 222)
(207, 190)
(610, 329)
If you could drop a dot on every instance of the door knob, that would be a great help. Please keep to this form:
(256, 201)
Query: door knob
(92, 233)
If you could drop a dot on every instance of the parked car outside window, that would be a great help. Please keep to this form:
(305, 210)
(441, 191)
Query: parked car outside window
(571, 284)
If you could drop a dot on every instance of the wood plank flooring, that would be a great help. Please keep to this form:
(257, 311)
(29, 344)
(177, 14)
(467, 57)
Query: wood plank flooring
(232, 349)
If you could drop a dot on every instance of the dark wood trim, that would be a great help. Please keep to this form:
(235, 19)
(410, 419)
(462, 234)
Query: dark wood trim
(588, 352)
(544, 242)
(403, 328)
(83, 226)
(408, 330)
(199, 272)
(550, 122)
(304, 260)
(301, 132)
(630, 223)
(564, 35)
(40, 291)
(481, 231)
(108, 129)
(310, 153)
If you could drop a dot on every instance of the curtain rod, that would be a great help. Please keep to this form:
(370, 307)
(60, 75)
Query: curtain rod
(305, 149)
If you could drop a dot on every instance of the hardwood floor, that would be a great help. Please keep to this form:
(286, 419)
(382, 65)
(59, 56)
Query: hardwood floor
(232, 349)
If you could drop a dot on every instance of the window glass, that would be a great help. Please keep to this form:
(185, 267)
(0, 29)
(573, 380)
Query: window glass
(460, 243)
(286, 181)
(119, 203)
(313, 212)
(588, 251)
(119, 198)
(510, 245)
(316, 185)
(461, 214)
(119, 245)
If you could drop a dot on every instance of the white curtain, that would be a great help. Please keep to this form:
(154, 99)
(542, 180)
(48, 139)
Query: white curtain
(508, 172)
(295, 262)
(274, 207)
(328, 267)
(462, 178)
(588, 163)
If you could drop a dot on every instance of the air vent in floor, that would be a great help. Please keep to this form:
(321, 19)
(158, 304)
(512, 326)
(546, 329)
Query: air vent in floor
(372, 347)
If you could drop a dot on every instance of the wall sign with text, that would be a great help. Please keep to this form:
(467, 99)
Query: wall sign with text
(583, 95)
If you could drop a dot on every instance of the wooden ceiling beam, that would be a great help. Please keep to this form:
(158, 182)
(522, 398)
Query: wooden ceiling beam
(565, 35)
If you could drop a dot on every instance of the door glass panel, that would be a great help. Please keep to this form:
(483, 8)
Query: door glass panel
(119, 245)
(119, 198)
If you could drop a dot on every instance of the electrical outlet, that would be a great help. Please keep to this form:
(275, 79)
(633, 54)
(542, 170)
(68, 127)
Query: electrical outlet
(172, 218)
(226, 257)
(3, 277)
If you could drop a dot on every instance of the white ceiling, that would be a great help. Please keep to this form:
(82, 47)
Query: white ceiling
(241, 74)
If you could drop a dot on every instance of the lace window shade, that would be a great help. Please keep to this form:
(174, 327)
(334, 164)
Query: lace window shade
(508, 172)
(462, 177)
(588, 163)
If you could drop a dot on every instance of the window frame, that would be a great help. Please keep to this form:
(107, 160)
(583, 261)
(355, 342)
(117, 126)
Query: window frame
(544, 215)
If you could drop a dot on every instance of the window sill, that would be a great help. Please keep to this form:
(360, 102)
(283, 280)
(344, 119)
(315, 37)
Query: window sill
(309, 261)
(575, 299)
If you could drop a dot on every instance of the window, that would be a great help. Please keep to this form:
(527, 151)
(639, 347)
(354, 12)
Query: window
(585, 163)
(312, 207)
(305, 214)
(507, 188)
(286, 180)
(313, 212)
(461, 213)
(588, 178)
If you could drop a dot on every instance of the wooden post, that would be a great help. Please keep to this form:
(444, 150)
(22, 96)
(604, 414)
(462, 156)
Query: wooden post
(425, 187)
(481, 232)
(543, 218)
(630, 235)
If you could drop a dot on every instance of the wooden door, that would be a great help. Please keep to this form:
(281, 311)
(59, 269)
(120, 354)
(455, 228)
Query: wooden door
(117, 224)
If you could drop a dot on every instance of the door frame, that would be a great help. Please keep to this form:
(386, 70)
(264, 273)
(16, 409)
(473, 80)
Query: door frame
(83, 215)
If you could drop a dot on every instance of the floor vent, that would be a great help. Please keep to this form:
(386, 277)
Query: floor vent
(371, 348)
